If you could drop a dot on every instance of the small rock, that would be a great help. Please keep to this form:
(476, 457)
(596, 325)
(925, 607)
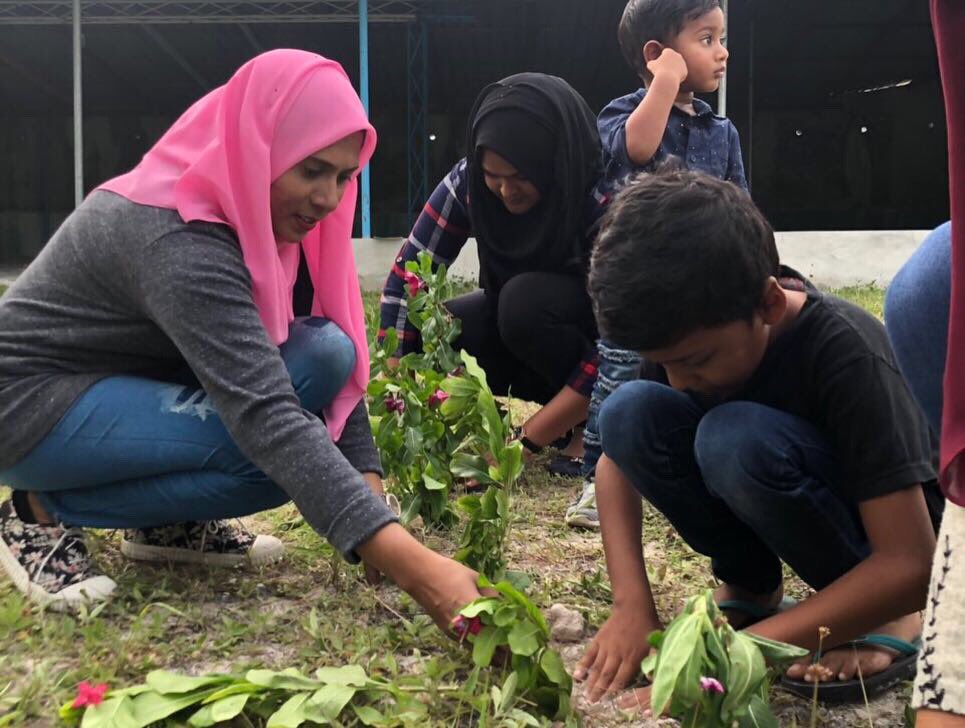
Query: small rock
(566, 625)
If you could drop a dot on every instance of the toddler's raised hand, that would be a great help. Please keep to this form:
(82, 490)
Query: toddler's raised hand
(669, 63)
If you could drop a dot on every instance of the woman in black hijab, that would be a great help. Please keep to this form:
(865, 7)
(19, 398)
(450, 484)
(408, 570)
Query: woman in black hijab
(528, 192)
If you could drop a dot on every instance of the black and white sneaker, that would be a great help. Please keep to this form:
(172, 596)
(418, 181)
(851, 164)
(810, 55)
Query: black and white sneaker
(214, 543)
(50, 564)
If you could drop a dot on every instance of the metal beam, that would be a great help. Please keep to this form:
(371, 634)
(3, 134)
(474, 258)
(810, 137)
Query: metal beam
(175, 56)
(78, 108)
(722, 90)
(364, 94)
(124, 12)
(417, 72)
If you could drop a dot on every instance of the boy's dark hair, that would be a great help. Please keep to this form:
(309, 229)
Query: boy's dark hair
(678, 251)
(659, 20)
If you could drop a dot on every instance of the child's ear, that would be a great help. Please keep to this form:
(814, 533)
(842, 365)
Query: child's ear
(652, 50)
(774, 303)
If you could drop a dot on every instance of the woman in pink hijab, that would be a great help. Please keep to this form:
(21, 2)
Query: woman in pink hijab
(155, 374)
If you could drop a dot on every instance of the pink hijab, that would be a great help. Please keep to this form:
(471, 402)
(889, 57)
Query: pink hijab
(217, 163)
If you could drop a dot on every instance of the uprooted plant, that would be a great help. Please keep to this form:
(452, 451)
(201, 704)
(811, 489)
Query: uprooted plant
(406, 395)
(708, 675)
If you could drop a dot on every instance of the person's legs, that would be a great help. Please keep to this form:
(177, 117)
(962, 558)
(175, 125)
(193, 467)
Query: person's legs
(546, 321)
(479, 336)
(649, 430)
(775, 473)
(136, 453)
(916, 315)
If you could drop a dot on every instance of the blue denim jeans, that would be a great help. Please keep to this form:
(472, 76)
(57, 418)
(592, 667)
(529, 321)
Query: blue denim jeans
(916, 315)
(133, 452)
(615, 367)
(745, 484)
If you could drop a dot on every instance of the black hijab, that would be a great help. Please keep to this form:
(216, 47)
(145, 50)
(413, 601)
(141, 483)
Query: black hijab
(543, 127)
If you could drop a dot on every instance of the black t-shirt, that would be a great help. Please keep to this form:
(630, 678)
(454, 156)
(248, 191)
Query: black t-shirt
(835, 368)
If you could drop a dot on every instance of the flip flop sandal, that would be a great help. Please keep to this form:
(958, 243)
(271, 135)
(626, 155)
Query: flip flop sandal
(849, 691)
(564, 466)
(756, 612)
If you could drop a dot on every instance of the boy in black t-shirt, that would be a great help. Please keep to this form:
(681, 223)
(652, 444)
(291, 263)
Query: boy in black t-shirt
(771, 424)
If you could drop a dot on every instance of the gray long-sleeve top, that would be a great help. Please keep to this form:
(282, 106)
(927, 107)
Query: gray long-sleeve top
(123, 288)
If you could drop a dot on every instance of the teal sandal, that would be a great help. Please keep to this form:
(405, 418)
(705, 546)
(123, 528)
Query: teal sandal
(901, 669)
(755, 612)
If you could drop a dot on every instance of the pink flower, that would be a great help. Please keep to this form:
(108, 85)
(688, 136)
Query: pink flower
(438, 397)
(463, 626)
(394, 404)
(414, 283)
(88, 694)
(711, 685)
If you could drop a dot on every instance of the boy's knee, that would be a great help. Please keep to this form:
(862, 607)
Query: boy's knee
(732, 444)
(629, 416)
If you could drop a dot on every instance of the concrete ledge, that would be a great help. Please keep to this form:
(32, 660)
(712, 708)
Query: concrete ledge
(830, 259)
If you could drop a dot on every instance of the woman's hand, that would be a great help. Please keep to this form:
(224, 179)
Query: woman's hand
(440, 585)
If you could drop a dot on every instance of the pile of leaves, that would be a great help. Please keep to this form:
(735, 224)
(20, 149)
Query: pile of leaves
(708, 675)
(533, 685)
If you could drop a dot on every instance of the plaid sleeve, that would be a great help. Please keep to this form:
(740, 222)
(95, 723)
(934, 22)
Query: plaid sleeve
(584, 376)
(442, 229)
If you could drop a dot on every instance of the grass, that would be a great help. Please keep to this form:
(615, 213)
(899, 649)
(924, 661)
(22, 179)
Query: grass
(312, 609)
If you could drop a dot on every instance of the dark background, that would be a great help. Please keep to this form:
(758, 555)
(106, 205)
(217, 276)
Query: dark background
(824, 150)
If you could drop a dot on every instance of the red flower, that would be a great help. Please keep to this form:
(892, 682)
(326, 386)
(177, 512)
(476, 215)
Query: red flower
(88, 694)
(414, 283)
(394, 404)
(438, 397)
(463, 626)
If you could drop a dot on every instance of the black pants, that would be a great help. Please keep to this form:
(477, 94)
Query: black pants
(531, 336)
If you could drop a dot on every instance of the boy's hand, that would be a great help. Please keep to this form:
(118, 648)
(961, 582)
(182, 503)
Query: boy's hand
(669, 63)
(613, 659)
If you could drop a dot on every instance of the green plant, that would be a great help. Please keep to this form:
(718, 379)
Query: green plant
(488, 455)
(284, 699)
(537, 677)
(708, 675)
(410, 431)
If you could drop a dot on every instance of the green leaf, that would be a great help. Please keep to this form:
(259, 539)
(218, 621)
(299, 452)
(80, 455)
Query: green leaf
(464, 465)
(777, 653)
(486, 643)
(291, 714)
(411, 509)
(504, 616)
(288, 679)
(431, 483)
(648, 664)
(747, 671)
(326, 704)
(515, 595)
(167, 683)
(483, 605)
(351, 675)
(678, 646)
(473, 368)
(511, 463)
(112, 713)
(524, 638)
(151, 707)
(368, 715)
(219, 711)
(552, 666)
(655, 638)
(687, 688)
(508, 692)
(758, 715)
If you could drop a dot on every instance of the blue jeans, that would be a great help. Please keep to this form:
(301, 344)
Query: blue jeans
(615, 367)
(133, 452)
(747, 485)
(916, 315)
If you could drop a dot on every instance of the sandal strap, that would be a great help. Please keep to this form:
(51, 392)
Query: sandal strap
(902, 647)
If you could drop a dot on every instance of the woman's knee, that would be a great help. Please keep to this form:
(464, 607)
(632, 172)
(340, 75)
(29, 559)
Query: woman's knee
(518, 311)
(320, 358)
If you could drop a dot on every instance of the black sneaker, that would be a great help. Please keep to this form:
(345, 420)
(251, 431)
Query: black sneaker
(215, 543)
(50, 564)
